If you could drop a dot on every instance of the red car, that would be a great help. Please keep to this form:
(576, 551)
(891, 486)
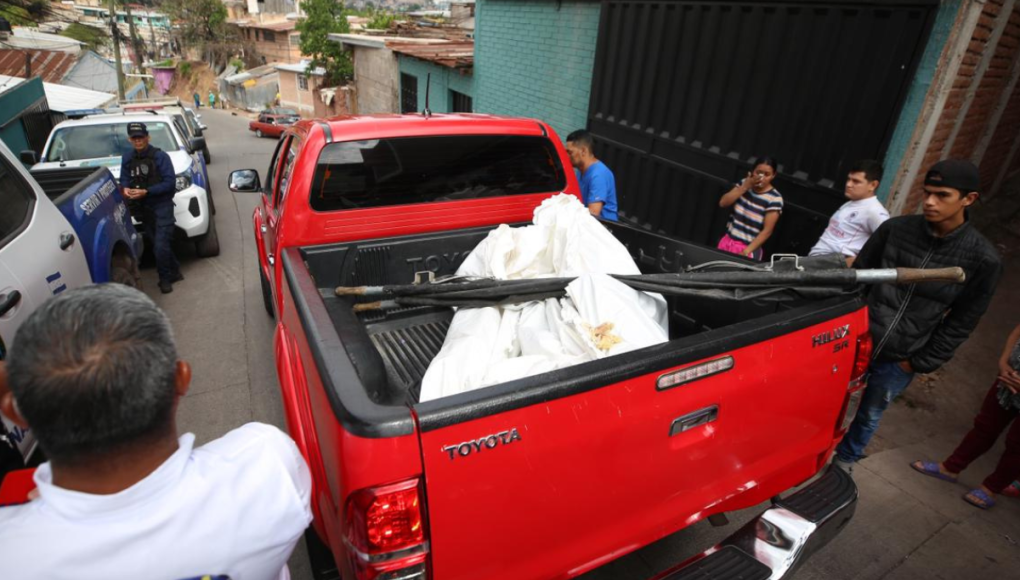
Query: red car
(272, 122)
(552, 475)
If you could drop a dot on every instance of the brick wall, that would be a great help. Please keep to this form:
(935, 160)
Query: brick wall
(1005, 133)
(977, 109)
(444, 80)
(534, 58)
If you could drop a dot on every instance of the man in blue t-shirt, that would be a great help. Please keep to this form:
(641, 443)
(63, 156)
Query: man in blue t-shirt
(598, 185)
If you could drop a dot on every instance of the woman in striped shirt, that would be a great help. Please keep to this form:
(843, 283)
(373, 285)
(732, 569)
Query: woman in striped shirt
(756, 208)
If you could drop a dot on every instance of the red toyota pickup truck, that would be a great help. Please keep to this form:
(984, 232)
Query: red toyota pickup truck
(549, 476)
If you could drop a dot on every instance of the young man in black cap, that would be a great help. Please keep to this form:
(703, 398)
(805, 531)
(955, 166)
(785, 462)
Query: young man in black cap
(147, 178)
(917, 328)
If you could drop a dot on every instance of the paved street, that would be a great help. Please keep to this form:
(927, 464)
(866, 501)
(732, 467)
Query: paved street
(217, 314)
(906, 527)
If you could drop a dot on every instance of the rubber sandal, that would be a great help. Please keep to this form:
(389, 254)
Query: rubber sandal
(1012, 490)
(931, 469)
(978, 498)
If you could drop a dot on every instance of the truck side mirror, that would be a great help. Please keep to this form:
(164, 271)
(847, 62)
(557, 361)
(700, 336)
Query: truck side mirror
(28, 157)
(244, 180)
(197, 143)
(198, 131)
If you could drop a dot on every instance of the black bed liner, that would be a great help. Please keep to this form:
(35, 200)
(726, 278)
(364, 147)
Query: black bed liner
(407, 347)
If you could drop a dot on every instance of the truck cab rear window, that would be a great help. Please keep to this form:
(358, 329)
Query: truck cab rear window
(408, 170)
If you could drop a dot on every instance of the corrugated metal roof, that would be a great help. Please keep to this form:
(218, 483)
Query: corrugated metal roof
(51, 65)
(254, 73)
(278, 26)
(458, 55)
(61, 98)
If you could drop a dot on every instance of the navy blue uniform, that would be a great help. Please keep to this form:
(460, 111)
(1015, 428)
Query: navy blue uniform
(136, 171)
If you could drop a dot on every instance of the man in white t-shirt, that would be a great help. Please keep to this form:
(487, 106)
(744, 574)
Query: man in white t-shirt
(855, 221)
(95, 374)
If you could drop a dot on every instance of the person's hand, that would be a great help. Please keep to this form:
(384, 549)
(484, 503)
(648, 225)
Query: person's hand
(1009, 377)
(746, 252)
(905, 365)
(748, 182)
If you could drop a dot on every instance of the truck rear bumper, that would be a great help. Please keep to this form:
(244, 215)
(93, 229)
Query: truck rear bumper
(774, 544)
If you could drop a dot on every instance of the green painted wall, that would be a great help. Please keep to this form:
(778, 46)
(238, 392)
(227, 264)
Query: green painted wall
(534, 58)
(916, 94)
(13, 102)
(444, 80)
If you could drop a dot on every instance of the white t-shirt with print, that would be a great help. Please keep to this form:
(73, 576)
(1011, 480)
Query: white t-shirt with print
(850, 227)
(234, 508)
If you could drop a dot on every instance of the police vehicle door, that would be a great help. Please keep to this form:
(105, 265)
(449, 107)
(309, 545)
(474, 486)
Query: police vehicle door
(40, 256)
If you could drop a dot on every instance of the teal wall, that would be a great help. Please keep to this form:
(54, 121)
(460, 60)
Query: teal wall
(444, 80)
(534, 58)
(13, 102)
(914, 103)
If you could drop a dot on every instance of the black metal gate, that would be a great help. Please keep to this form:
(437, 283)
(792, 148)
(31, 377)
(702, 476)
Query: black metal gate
(685, 94)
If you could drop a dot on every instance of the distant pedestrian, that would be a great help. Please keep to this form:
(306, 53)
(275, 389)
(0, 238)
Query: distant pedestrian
(1000, 408)
(94, 372)
(918, 328)
(855, 221)
(756, 209)
(198, 100)
(598, 184)
(212, 100)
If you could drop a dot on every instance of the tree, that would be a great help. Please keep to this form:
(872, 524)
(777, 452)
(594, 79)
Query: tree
(203, 24)
(325, 17)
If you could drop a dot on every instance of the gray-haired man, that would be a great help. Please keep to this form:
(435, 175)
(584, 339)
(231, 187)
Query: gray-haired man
(94, 372)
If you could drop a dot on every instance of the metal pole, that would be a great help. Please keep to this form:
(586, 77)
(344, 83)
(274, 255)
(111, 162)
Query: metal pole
(137, 58)
(116, 50)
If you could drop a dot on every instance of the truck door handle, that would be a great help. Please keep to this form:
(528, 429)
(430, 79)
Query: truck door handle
(66, 240)
(9, 302)
(263, 228)
(695, 419)
(271, 259)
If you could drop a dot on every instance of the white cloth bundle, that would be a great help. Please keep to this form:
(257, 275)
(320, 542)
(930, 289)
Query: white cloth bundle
(598, 317)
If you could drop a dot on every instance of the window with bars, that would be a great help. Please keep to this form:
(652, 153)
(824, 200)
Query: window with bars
(408, 93)
(460, 103)
(295, 40)
(268, 36)
(302, 83)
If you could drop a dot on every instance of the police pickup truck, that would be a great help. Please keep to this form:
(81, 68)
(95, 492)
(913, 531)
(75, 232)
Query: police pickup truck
(101, 140)
(57, 231)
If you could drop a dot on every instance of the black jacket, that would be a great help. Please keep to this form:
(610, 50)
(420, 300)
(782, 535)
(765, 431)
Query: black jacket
(925, 323)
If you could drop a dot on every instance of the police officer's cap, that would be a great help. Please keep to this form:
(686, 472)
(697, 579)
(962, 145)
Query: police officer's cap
(137, 130)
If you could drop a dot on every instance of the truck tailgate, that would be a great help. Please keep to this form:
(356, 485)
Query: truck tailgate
(557, 487)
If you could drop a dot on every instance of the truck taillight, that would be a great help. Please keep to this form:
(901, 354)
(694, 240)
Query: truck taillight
(855, 389)
(386, 532)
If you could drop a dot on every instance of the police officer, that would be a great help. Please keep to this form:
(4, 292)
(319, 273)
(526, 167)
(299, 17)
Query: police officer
(147, 180)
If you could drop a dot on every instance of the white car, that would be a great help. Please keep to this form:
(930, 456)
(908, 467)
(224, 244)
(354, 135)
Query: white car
(100, 140)
(39, 258)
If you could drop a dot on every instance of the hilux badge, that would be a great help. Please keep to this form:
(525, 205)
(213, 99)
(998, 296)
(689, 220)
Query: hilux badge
(488, 442)
(831, 336)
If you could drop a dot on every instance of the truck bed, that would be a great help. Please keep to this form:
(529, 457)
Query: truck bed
(393, 349)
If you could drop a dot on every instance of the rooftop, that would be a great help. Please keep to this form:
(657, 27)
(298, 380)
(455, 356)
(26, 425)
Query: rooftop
(61, 98)
(457, 55)
(282, 26)
(49, 64)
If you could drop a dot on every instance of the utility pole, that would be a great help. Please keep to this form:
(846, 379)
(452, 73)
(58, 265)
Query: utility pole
(152, 34)
(116, 50)
(137, 60)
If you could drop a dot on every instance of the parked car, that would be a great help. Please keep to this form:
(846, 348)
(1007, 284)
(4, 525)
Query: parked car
(273, 121)
(69, 233)
(101, 140)
(575, 467)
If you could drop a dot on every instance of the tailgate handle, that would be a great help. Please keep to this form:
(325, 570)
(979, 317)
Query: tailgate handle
(695, 419)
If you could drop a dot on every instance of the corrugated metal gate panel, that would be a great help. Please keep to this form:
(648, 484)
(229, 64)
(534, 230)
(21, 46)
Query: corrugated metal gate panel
(684, 94)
